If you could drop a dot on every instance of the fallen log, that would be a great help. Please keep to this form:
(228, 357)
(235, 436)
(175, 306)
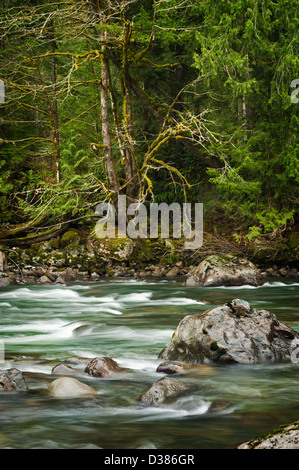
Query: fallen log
(37, 238)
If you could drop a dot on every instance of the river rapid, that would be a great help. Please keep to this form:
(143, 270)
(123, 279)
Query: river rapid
(130, 321)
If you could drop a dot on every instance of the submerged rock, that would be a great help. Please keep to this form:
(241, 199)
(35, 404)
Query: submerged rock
(223, 270)
(77, 362)
(102, 367)
(68, 387)
(12, 380)
(178, 367)
(63, 369)
(218, 406)
(160, 391)
(173, 367)
(285, 437)
(232, 333)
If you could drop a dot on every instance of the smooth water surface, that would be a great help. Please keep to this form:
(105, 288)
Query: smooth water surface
(130, 321)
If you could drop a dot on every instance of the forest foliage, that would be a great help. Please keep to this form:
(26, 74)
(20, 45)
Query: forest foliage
(161, 100)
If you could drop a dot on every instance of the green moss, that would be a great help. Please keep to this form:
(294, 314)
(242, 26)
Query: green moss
(214, 346)
(294, 242)
(204, 331)
(54, 243)
(110, 272)
(71, 236)
(142, 252)
(171, 258)
(56, 255)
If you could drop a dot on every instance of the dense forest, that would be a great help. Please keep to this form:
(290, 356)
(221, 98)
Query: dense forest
(167, 100)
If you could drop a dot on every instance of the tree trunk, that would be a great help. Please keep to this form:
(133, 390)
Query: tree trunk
(98, 9)
(110, 165)
(130, 165)
(56, 136)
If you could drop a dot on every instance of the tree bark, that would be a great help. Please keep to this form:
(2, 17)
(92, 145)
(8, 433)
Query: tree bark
(110, 165)
(130, 165)
(55, 118)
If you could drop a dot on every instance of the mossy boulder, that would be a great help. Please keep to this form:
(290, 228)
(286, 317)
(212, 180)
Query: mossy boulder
(118, 249)
(70, 237)
(224, 270)
(142, 252)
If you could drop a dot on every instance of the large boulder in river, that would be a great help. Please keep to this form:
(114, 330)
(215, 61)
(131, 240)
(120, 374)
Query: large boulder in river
(232, 333)
(68, 387)
(225, 270)
(12, 380)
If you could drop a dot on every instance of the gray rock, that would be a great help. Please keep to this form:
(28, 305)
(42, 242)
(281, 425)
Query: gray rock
(95, 276)
(173, 367)
(102, 367)
(45, 280)
(225, 270)
(173, 272)
(157, 393)
(7, 281)
(240, 307)
(68, 275)
(119, 249)
(285, 437)
(158, 271)
(12, 380)
(232, 333)
(68, 387)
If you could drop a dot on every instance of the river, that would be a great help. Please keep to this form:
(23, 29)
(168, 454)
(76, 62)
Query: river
(131, 320)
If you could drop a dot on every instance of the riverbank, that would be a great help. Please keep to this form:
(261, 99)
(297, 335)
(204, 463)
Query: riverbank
(79, 255)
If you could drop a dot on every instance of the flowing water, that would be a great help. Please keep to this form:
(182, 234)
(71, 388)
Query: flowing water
(131, 321)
